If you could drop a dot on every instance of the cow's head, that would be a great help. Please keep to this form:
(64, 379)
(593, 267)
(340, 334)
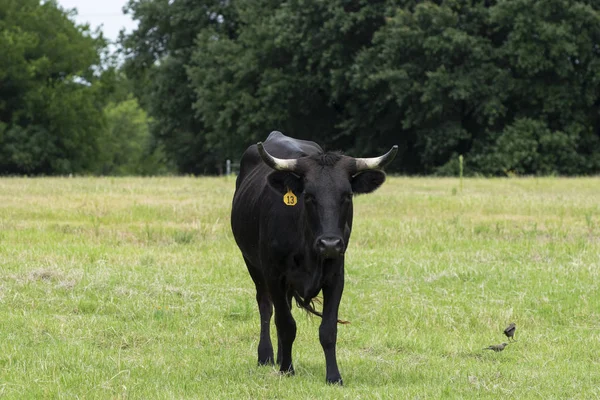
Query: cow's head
(325, 184)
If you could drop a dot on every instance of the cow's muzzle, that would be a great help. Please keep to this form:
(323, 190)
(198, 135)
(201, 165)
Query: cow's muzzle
(330, 247)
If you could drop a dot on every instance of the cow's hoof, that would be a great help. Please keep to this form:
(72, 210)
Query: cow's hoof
(266, 361)
(287, 371)
(335, 381)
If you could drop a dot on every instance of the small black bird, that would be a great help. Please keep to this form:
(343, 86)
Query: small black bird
(497, 347)
(510, 331)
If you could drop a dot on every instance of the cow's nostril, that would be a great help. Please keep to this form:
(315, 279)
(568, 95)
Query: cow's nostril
(330, 246)
(331, 243)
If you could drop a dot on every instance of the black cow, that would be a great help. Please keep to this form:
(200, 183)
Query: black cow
(291, 218)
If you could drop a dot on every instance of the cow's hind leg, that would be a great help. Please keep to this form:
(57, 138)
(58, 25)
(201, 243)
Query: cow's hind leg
(265, 308)
(286, 331)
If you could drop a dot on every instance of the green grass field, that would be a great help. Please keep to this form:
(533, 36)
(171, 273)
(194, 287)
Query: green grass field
(134, 288)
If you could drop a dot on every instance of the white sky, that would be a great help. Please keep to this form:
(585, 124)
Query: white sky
(105, 13)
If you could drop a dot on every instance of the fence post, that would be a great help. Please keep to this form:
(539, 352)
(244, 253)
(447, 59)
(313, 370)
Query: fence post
(228, 167)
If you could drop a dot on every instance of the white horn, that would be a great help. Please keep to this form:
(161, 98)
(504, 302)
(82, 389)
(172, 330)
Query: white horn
(376, 162)
(279, 164)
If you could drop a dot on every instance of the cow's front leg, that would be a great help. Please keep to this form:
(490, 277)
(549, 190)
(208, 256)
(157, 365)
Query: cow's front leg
(286, 332)
(332, 294)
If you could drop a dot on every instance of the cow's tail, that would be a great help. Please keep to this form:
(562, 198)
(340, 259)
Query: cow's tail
(309, 305)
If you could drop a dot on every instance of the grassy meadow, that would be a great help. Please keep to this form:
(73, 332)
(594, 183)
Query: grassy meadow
(134, 288)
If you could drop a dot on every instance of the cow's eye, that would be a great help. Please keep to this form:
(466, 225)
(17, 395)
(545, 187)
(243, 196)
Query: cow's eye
(347, 197)
(309, 198)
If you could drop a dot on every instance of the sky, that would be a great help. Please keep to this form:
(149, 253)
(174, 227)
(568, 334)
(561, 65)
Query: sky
(105, 13)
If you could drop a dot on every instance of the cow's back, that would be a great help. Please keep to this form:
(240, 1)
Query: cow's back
(278, 145)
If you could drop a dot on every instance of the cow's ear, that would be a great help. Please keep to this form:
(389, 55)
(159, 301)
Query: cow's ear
(367, 181)
(282, 181)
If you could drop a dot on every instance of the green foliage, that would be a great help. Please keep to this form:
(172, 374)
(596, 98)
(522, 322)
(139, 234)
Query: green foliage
(267, 65)
(157, 54)
(65, 106)
(50, 116)
(463, 75)
(512, 85)
(127, 148)
(529, 146)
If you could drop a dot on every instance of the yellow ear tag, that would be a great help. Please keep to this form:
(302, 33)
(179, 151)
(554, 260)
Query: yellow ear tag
(290, 198)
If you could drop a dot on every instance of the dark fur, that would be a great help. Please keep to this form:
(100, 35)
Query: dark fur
(328, 159)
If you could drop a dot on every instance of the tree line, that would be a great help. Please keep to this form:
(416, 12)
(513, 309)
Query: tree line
(512, 85)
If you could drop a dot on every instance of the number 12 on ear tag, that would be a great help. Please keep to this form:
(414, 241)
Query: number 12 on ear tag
(290, 198)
